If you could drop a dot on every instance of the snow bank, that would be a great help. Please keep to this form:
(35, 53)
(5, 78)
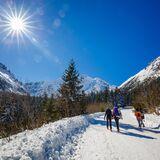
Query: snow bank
(51, 141)
(152, 121)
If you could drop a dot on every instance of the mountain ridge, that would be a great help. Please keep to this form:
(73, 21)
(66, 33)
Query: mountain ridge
(90, 84)
(8, 82)
(149, 73)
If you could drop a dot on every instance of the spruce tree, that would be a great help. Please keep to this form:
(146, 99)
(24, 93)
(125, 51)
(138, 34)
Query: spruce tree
(71, 98)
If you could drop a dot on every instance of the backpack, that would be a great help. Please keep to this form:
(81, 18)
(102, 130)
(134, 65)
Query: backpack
(142, 116)
(116, 112)
(138, 115)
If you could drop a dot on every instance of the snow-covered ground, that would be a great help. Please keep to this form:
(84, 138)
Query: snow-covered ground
(86, 138)
(131, 143)
(45, 142)
(52, 141)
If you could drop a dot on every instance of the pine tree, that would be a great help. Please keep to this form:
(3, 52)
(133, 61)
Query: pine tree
(71, 93)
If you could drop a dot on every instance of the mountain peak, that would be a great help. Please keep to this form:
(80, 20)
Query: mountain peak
(9, 83)
(151, 72)
(90, 84)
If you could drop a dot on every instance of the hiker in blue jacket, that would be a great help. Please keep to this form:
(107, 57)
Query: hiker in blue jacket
(117, 115)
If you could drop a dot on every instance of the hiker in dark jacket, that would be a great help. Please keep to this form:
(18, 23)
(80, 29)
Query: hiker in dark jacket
(108, 117)
(142, 118)
(117, 115)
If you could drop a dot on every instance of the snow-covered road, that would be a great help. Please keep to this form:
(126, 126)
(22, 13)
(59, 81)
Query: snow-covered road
(86, 138)
(98, 143)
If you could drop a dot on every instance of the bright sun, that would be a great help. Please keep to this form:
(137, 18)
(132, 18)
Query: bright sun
(15, 23)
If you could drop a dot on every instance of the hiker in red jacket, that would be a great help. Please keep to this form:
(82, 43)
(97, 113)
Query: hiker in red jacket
(138, 117)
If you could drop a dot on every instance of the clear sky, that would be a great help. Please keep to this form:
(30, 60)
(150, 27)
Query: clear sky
(110, 39)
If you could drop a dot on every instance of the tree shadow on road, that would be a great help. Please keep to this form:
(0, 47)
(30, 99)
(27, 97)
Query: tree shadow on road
(126, 127)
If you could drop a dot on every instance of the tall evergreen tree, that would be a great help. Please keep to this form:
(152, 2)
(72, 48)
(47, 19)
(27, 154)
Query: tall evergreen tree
(71, 93)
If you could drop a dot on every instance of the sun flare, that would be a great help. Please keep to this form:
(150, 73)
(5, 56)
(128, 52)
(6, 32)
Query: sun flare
(15, 23)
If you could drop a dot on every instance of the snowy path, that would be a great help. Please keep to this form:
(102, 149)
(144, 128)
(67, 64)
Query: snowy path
(98, 143)
(86, 138)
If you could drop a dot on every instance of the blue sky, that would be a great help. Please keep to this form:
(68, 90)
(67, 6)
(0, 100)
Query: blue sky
(112, 40)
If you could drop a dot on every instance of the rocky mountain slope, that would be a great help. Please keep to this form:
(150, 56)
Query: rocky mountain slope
(9, 83)
(151, 72)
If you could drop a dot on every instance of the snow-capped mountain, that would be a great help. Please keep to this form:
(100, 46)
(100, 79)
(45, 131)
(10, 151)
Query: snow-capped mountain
(93, 84)
(43, 87)
(8, 82)
(89, 85)
(151, 72)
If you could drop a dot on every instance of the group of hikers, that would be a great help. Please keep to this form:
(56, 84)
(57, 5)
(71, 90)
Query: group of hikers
(117, 115)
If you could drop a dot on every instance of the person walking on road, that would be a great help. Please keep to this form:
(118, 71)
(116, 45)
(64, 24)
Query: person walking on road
(138, 117)
(117, 115)
(108, 118)
(142, 118)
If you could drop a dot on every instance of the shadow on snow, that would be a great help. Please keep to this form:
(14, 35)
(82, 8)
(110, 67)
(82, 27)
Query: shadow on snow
(126, 127)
